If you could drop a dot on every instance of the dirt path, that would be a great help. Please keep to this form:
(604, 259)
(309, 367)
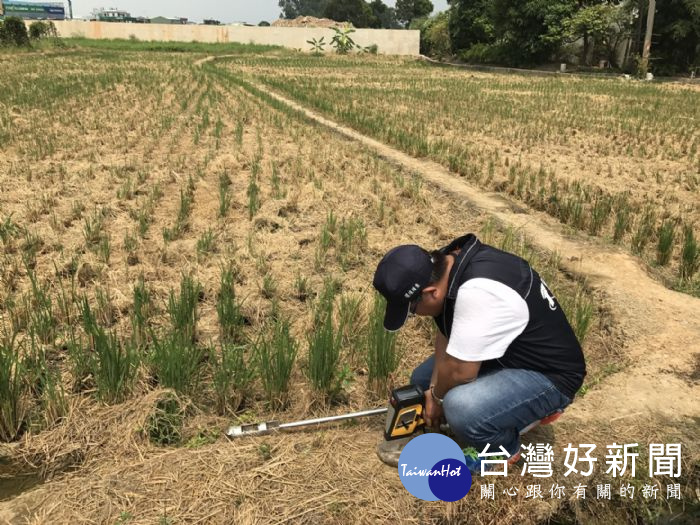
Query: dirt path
(661, 327)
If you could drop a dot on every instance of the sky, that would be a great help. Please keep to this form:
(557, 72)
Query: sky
(251, 11)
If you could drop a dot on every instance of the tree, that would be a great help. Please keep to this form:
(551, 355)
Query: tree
(651, 12)
(469, 23)
(435, 36)
(293, 8)
(529, 31)
(602, 27)
(676, 46)
(384, 15)
(407, 10)
(357, 12)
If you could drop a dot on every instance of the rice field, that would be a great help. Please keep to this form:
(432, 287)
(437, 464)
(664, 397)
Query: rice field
(612, 158)
(180, 254)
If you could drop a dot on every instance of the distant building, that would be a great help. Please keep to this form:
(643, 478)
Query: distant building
(33, 10)
(111, 15)
(167, 20)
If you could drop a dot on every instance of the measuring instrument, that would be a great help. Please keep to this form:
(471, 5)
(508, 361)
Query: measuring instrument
(404, 416)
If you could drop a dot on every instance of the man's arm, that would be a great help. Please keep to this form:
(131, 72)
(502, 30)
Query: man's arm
(447, 371)
(440, 347)
(450, 372)
(433, 412)
(488, 316)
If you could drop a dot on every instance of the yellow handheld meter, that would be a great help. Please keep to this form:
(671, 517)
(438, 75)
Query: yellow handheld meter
(405, 413)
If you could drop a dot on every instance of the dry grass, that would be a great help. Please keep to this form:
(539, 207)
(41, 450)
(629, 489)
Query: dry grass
(554, 143)
(64, 161)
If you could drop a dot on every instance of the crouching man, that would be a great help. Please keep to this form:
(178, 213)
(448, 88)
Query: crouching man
(505, 355)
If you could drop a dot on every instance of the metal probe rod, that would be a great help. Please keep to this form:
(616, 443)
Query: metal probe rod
(268, 426)
(333, 418)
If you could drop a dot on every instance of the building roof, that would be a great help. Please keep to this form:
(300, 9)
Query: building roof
(13, 3)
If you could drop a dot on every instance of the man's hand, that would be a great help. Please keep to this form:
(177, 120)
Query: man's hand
(433, 412)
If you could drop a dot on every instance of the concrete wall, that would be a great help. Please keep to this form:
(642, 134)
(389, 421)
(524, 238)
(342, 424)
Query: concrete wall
(389, 42)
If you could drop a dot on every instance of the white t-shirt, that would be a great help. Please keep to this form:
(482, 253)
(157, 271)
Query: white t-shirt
(488, 316)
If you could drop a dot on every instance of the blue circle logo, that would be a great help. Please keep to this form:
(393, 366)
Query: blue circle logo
(431, 467)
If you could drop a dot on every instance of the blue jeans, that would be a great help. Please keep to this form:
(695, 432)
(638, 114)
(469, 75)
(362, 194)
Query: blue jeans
(495, 407)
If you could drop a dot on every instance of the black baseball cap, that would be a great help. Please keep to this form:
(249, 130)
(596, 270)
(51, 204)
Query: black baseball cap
(401, 275)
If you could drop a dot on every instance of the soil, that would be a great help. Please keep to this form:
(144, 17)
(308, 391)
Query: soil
(309, 21)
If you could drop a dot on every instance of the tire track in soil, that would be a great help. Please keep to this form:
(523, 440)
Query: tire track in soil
(661, 326)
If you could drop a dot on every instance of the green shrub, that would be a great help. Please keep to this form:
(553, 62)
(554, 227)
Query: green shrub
(317, 46)
(13, 32)
(481, 53)
(40, 29)
(435, 36)
(341, 41)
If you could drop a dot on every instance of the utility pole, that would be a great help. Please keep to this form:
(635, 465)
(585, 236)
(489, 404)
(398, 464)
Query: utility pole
(647, 37)
(70, 9)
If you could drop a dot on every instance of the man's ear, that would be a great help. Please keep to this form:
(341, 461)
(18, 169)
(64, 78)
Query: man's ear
(432, 290)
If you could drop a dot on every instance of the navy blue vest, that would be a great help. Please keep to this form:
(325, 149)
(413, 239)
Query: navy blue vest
(548, 344)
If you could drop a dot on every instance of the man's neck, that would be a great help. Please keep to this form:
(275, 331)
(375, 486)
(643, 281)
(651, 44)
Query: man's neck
(445, 279)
